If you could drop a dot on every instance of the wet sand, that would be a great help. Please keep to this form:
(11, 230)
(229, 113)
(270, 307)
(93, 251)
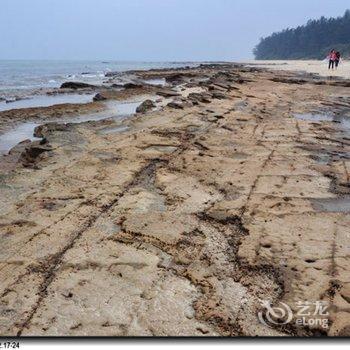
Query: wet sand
(179, 220)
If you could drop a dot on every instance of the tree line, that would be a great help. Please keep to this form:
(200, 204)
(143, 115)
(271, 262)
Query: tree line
(311, 41)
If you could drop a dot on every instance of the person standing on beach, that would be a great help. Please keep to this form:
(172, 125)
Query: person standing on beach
(337, 61)
(332, 58)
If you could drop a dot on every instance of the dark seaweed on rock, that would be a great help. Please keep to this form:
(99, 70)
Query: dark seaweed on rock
(76, 85)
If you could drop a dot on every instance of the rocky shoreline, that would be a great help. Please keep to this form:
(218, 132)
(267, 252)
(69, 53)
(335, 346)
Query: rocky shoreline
(228, 187)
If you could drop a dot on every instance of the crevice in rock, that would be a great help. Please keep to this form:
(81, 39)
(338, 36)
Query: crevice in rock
(50, 266)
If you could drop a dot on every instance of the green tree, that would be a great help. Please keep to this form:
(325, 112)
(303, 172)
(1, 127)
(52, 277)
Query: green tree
(311, 41)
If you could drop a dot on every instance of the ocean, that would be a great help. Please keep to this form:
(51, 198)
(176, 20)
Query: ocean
(21, 77)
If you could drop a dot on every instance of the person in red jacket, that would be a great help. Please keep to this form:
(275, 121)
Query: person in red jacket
(332, 57)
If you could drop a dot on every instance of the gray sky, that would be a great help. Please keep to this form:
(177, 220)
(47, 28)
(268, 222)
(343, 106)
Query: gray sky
(149, 30)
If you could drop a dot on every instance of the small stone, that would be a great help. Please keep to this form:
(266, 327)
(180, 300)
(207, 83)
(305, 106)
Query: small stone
(145, 106)
(99, 97)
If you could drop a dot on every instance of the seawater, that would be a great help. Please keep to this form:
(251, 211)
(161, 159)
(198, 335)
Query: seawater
(19, 76)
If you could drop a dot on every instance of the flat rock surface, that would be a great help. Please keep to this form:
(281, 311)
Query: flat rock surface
(178, 222)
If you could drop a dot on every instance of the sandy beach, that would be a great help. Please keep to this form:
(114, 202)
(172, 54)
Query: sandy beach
(229, 186)
(311, 66)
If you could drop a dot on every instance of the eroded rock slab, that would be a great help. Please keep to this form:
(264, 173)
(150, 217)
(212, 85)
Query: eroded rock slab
(184, 222)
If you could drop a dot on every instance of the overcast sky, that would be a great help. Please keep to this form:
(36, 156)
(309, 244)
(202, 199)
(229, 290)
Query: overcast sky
(148, 30)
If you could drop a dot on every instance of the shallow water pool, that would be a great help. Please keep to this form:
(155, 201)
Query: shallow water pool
(46, 101)
(11, 138)
(342, 121)
(332, 205)
(25, 131)
(157, 82)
